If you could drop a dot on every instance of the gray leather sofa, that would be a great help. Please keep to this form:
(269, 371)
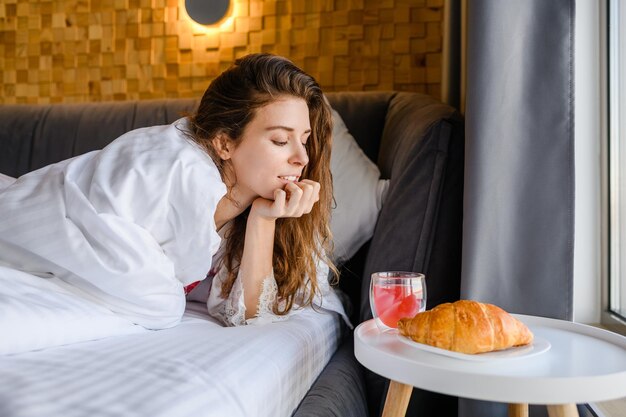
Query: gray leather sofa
(417, 142)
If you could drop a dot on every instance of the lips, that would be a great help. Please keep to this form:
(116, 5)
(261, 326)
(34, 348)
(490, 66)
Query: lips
(291, 178)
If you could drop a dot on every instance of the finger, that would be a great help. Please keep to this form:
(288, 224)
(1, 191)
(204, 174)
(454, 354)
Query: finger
(316, 188)
(313, 196)
(295, 195)
(306, 200)
(307, 189)
(278, 207)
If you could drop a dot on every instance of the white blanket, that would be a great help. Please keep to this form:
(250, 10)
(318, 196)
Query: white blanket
(195, 369)
(128, 225)
(40, 312)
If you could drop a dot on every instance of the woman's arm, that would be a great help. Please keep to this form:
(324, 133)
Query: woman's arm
(295, 200)
(256, 260)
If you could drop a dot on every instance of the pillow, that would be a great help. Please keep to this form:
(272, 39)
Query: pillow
(358, 191)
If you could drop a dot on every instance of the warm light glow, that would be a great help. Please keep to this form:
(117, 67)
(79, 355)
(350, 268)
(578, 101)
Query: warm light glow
(227, 24)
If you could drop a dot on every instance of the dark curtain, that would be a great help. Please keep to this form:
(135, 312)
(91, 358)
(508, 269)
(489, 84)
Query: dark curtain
(518, 224)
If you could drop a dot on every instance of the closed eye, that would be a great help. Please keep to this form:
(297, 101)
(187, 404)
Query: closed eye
(306, 136)
(279, 142)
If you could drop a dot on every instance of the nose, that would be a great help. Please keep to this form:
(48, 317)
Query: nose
(299, 155)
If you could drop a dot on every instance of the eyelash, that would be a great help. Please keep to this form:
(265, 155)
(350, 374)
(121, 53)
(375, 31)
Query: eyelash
(279, 143)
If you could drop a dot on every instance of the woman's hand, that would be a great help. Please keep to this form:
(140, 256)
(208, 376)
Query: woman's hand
(295, 200)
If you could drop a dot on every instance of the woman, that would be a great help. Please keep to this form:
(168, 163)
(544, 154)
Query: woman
(267, 126)
(241, 189)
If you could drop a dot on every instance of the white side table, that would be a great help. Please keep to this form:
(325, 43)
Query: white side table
(584, 364)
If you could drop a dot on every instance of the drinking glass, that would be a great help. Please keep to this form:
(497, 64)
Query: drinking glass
(395, 295)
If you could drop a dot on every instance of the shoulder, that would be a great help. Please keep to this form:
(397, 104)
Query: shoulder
(158, 160)
(164, 142)
(164, 150)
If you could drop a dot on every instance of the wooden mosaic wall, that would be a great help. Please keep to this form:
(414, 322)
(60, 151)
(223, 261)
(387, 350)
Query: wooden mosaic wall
(93, 50)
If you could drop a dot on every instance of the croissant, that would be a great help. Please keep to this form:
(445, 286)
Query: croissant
(467, 327)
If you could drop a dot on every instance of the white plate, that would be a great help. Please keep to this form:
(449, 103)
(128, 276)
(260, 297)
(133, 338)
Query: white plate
(538, 346)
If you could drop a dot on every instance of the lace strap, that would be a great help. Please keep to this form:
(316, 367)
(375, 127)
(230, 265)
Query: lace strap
(267, 299)
(232, 310)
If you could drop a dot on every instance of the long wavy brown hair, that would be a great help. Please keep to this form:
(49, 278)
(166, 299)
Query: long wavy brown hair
(226, 108)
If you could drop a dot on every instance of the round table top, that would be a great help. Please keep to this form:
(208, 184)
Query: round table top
(583, 364)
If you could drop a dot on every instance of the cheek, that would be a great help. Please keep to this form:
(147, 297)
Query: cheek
(251, 168)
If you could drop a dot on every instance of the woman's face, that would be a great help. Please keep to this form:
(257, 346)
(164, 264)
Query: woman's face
(271, 151)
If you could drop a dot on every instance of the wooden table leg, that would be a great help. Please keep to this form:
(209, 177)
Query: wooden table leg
(518, 410)
(563, 410)
(397, 399)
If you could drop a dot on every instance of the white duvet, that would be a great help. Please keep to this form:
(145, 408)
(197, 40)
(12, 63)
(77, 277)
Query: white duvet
(109, 237)
(36, 313)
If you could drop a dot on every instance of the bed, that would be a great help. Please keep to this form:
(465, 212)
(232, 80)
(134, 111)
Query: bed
(194, 369)
(397, 175)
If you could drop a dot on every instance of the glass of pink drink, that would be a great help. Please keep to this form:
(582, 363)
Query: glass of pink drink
(396, 295)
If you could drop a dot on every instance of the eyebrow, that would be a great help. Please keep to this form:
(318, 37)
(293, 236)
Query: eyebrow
(289, 129)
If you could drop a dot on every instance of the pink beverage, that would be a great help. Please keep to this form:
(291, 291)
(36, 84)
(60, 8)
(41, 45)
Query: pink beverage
(396, 295)
(395, 302)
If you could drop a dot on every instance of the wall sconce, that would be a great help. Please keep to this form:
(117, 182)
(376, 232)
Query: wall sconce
(208, 12)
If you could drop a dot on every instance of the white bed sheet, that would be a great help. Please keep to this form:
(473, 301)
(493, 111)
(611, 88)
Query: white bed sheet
(198, 368)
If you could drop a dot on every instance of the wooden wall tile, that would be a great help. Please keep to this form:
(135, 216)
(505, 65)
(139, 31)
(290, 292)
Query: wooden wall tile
(88, 50)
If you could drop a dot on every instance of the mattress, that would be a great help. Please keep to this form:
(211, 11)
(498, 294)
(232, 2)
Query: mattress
(197, 368)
